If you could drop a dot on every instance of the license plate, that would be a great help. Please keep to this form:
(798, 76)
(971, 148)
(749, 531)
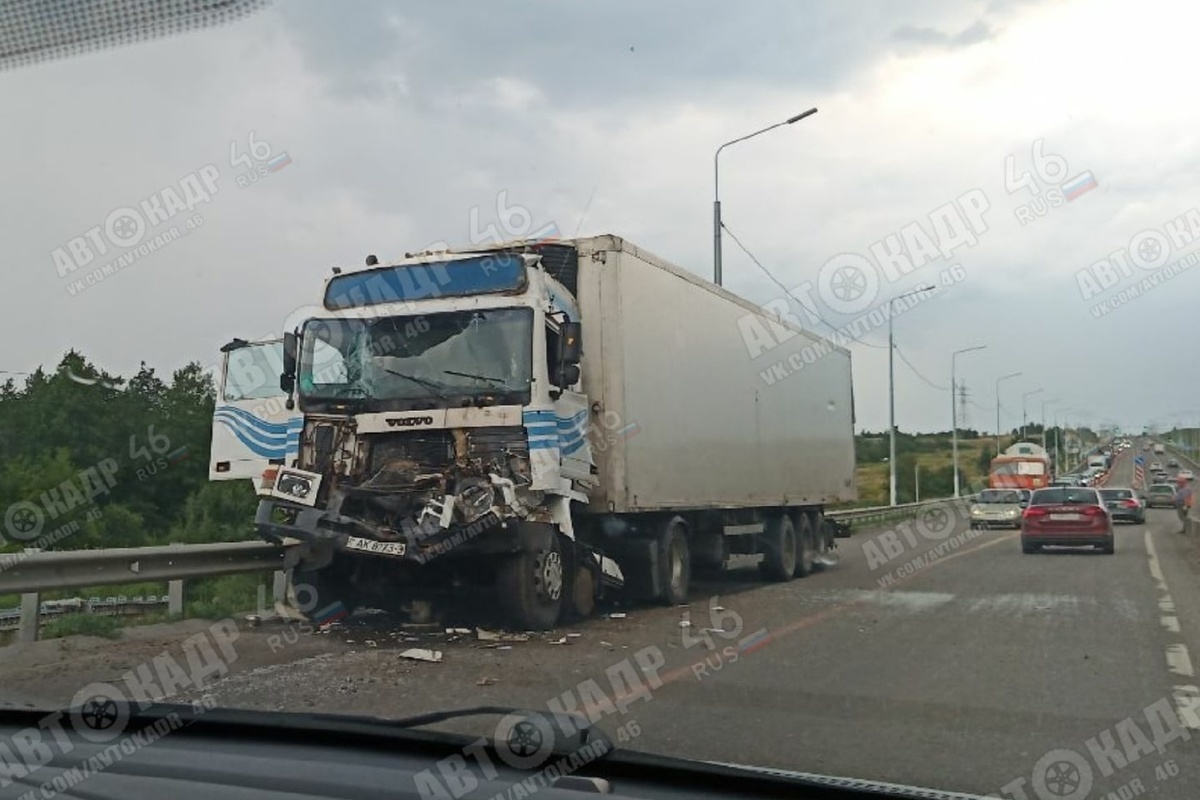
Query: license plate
(1066, 517)
(372, 546)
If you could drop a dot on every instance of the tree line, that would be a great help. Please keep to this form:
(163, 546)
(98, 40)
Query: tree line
(89, 459)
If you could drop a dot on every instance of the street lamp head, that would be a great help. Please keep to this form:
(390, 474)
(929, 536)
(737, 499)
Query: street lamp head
(801, 116)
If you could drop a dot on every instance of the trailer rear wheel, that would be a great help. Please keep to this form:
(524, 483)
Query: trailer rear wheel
(779, 549)
(674, 562)
(531, 585)
(806, 560)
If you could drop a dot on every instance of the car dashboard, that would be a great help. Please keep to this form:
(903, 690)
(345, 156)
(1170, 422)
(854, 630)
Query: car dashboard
(235, 754)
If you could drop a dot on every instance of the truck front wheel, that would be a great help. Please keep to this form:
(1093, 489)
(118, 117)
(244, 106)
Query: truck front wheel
(531, 587)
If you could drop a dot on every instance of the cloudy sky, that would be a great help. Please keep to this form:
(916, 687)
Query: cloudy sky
(413, 123)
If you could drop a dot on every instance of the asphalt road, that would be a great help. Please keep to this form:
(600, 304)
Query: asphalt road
(974, 671)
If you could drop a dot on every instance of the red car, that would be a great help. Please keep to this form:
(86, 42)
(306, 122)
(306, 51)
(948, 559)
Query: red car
(1066, 516)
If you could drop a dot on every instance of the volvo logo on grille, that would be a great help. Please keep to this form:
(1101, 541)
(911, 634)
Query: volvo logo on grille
(409, 422)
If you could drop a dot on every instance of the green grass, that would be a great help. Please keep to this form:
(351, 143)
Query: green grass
(871, 478)
(82, 625)
(218, 598)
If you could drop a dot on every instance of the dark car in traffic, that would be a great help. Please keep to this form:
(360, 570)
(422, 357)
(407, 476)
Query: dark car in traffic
(1067, 517)
(1123, 505)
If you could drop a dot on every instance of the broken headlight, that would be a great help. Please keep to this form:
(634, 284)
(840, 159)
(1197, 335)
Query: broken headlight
(297, 485)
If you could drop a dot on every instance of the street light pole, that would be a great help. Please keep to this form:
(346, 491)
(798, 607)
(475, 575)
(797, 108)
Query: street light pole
(998, 382)
(1044, 404)
(717, 185)
(892, 391)
(1024, 413)
(954, 409)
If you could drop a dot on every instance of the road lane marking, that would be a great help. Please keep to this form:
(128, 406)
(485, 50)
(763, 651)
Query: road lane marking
(815, 618)
(1179, 661)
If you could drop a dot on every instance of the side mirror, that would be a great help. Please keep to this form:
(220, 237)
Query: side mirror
(571, 347)
(291, 346)
(287, 380)
(568, 375)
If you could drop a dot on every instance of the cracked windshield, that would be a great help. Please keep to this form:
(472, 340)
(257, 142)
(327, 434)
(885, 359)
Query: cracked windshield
(784, 384)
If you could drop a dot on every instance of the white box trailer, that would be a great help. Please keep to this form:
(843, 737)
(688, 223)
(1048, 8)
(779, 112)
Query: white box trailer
(666, 356)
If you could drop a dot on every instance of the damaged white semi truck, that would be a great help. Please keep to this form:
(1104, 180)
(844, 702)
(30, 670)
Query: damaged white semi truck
(542, 422)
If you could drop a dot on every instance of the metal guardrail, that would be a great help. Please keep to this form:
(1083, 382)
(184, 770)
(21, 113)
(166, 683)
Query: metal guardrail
(30, 573)
(853, 515)
(72, 569)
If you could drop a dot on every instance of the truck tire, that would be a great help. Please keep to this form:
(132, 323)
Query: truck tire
(317, 590)
(779, 549)
(583, 594)
(805, 555)
(530, 586)
(674, 562)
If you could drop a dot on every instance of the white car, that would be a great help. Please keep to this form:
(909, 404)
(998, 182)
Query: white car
(997, 508)
(1185, 474)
